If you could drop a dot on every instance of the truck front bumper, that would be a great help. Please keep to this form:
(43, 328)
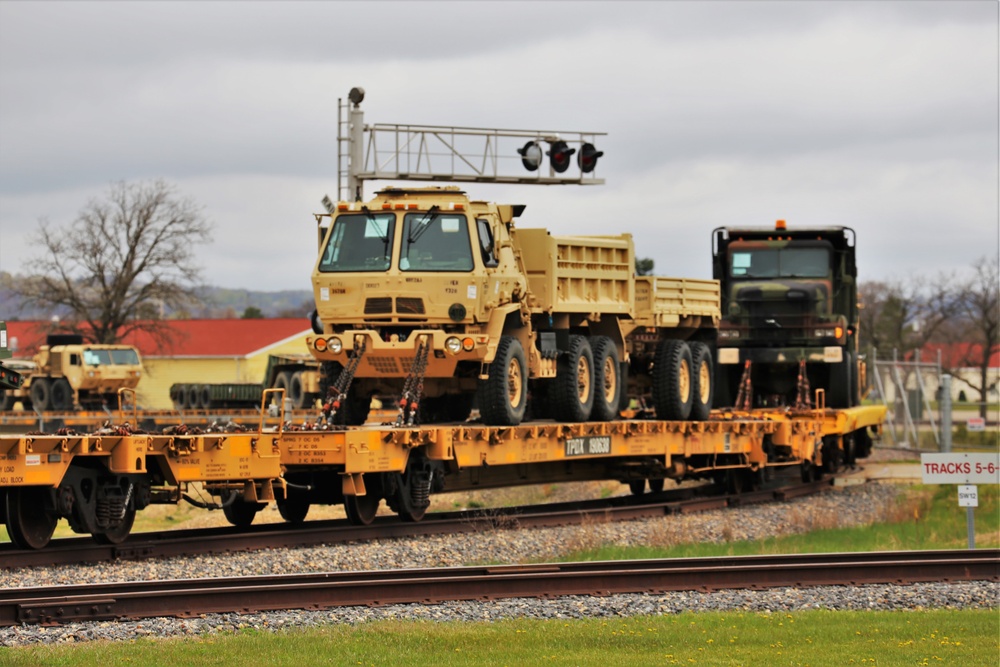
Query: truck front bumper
(831, 354)
(395, 358)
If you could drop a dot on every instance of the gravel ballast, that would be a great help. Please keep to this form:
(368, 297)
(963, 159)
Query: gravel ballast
(850, 506)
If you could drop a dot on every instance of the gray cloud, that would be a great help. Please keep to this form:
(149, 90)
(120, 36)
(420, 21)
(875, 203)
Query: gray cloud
(878, 115)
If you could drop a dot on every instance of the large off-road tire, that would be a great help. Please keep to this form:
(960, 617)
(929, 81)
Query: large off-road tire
(608, 385)
(574, 383)
(840, 389)
(702, 381)
(191, 396)
(503, 396)
(61, 395)
(205, 397)
(41, 394)
(283, 381)
(295, 391)
(7, 401)
(672, 390)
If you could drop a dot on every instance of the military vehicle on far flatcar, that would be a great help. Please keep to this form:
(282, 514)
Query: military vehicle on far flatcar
(789, 316)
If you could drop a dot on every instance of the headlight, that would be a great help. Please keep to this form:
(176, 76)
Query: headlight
(453, 345)
(335, 345)
(825, 333)
(728, 334)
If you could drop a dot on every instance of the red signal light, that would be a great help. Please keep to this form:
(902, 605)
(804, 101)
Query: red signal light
(587, 157)
(559, 155)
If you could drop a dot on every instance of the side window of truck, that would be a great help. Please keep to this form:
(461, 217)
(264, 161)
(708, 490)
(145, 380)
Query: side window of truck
(486, 246)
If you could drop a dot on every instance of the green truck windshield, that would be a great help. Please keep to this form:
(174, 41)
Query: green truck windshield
(787, 262)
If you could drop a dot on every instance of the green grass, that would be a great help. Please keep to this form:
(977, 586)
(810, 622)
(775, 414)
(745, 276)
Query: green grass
(926, 517)
(934, 637)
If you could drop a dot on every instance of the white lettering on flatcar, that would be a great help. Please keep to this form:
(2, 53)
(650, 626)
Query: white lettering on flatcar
(587, 445)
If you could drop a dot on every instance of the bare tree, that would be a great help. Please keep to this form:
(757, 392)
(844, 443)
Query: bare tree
(906, 315)
(980, 304)
(121, 263)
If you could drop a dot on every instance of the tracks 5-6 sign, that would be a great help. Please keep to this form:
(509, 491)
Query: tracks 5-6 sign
(960, 468)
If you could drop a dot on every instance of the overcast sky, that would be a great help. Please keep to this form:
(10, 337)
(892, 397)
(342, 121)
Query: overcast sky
(881, 116)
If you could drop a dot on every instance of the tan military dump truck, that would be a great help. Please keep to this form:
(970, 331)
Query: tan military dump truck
(427, 295)
(67, 374)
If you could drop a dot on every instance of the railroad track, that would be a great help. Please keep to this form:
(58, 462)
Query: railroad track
(221, 540)
(186, 598)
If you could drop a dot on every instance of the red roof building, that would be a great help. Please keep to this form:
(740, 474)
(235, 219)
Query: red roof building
(206, 351)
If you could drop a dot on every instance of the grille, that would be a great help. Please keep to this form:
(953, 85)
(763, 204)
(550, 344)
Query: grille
(382, 304)
(409, 306)
(385, 365)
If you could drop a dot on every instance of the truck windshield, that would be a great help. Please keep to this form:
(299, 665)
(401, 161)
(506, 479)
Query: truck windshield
(97, 357)
(787, 262)
(359, 242)
(126, 357)
(435, 241)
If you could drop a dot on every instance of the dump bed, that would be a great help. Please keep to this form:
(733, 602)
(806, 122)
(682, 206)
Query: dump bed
(664, 302)
(578, 274)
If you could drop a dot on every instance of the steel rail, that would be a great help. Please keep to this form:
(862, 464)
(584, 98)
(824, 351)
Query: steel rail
(172, 543)
(185, 598)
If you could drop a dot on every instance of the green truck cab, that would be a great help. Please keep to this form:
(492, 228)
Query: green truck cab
(789, 303)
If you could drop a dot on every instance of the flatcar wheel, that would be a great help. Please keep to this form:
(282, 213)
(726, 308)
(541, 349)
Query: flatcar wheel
(28, 524)
(637, 487)
(413, 515)
(293, 510)
(810, 473)
(119, 533)
(361, 510)
(240, 513)
(656, 485)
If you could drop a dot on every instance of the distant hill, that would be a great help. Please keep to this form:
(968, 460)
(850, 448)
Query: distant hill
(222, 302)
(214, 302)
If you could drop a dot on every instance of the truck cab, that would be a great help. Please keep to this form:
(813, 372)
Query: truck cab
(412, 265)
(789, 302)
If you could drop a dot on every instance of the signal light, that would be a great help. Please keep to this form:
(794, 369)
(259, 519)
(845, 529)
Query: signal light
(587, 158)
(559, 155)
(531, 156)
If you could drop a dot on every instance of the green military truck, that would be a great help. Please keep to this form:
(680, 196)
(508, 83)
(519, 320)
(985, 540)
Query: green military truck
(297, 374)
(790, 309)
